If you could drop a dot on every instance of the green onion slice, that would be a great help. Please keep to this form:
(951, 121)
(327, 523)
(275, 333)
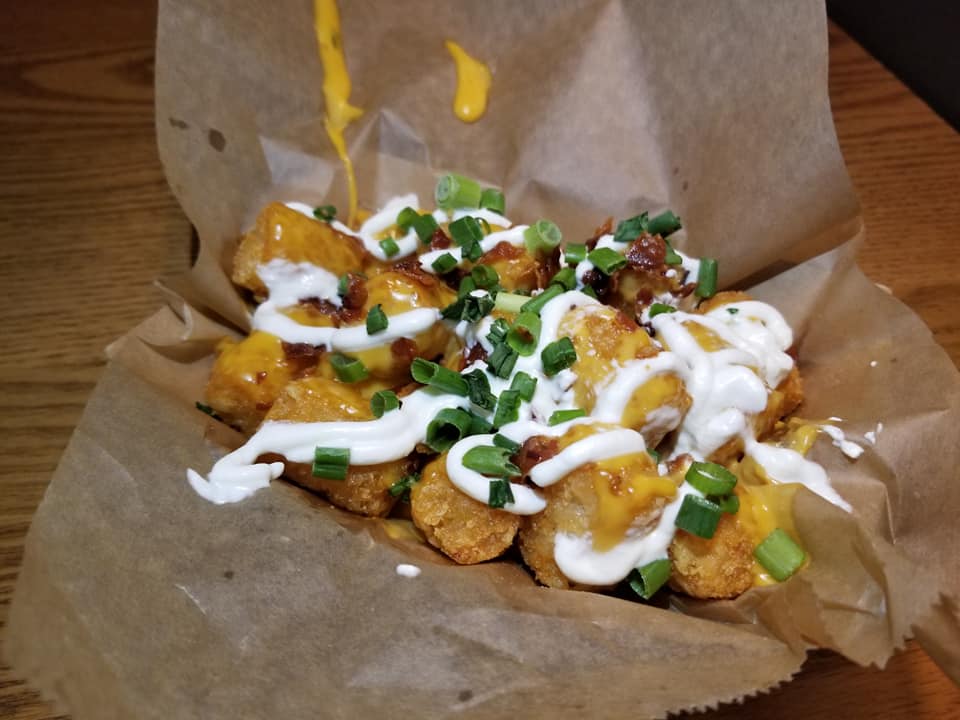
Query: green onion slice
(589, 291)
(510, 302)
(326, 213)
(672, 257)
(405, 218)
(733, 310)
(343, 284)
(558, 356)
(508, 408)
(444, 264)
(383, 401)
(630, 229)
(389, 247)
(645, 581)
(660, 308)
(439, 377)
(448, 427)
(465, 231)
(331, 463)
(498, 331)
(698, 516)
(566, 278)
(376, 320)
(492, 199)
(502, 441)
(535, 305)
(500, 493)
(654, 454)
(348, 369)
(710, 478)
(542, 237)
(524, 384)
(664, 224)
(607, 260)
(779, 555)
(490, 460)
(468, 307)
(562, 416)
(706, 278)
(484, 276)
(525, 333)
(502, 360)
(401, 488)
(425, 226)
(729, 504)
(478, 425)
(478, 389)
(575, 253)
(457, 191)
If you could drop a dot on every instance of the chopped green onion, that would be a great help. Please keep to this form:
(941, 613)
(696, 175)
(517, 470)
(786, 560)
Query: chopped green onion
(558, 356)
(484, 276)
(485, 225)
(566, 278)
(405, 218)
(439, 377)
(664, 224)
(779, 555)
(478, 388)
(645, 581)
(472, 251)
(502, 441)
(465, 231)
(401, 488)
(502, 360)
(348, 369)
(524, 384)
(425, 226)
(535, 305)
(660, 308)
(389, 247)
(326, 213)
(444, 264)
(343, 284)
(492, 199)
(575, 253)
(706, 278)
(490, 460)
(542, 237)
(729, 504)
(456, 191)
(562, 416)
(672, 257)
(589, 292)
(467, 286)
(508, 408)
(606, 260)
(654, 454)
(630, 229)
(468, 307)
(383, 401)
(448, 427)
(331, 463)
(733, 310)
(510, 302)
(710, 478)
(377, 320)
(478, 425)
(698, 516)
(500, 493)
(525, 333)
(498, 331)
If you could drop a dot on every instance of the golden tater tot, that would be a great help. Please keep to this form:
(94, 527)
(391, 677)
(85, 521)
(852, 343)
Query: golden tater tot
(518, 269)
(280, 232)
(465, 530)
(715, 568)
(249, 375)
(366, 487)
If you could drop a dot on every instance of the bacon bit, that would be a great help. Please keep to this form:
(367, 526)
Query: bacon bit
(647, 252)
(404, 350)
(440, 240)
(603, 285)
(604, 229)
(356, 295)
(534, 451)
(475, 353)
(406, 389)
(686, 290)
(324, 307)
(502, 251)
(261, 376)
(411, 268)
(302, 358)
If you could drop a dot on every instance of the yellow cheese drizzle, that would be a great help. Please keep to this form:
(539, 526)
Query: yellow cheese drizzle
(473, 84)
(336, 90)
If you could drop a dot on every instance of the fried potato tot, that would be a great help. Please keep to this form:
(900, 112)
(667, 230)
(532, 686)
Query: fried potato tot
(715, 568)
(280, 232)
(463, 529)
(518, 269)
(366, 487)
(249, 375)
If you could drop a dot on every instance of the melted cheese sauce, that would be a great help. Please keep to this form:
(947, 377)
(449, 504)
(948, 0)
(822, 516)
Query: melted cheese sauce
(473, 84)
(336, 90)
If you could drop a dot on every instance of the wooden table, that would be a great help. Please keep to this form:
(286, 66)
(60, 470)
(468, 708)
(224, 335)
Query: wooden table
(87, 223)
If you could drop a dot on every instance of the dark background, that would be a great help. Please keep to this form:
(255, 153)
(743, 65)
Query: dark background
(918, 40)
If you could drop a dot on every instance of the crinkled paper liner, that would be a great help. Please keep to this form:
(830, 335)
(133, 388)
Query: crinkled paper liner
(139, 599)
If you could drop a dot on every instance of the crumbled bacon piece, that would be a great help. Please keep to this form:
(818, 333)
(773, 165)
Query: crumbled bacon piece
(647, 252)
(302, 358)
(411, 268)
(404, 350)
(534, 451)
(475, 353)
(324, 307)
(605, 229)
(440, 240)
(356, 295)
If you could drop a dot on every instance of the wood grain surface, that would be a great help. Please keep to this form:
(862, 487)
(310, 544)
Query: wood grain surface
(87, 223)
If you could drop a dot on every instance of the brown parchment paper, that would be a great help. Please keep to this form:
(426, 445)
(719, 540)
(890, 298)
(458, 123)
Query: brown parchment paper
(139, 599)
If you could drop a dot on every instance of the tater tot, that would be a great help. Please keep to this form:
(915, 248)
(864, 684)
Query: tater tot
(518, 269)
(715, 568)
(366, 488)
(465, 530)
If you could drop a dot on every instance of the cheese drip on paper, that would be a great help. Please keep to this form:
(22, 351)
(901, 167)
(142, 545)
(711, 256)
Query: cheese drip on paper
(473, 84)
(336, 90)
